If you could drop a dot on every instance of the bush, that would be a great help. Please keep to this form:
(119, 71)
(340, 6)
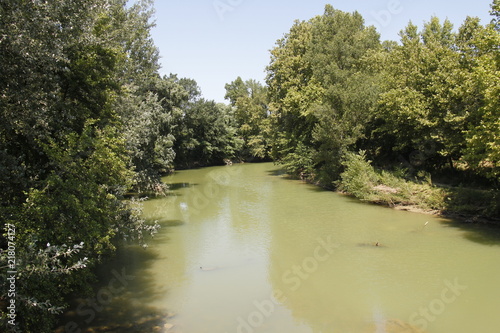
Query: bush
(359, 177)
(389, 188)
(299, 162)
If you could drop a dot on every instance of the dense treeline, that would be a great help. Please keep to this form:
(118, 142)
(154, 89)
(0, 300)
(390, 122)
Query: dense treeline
(73, 81)
(430, 101)
(423, 109)
(86, 121)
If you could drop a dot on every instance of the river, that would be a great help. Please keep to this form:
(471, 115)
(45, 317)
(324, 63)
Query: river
(244, 249)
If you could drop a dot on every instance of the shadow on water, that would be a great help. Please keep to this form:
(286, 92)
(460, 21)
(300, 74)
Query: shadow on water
(170, 223)
(485, 234)
(171, 191)
(284, 175)
(121, 300)
(177, 186)
(318, 188)
(478, 233)
(278, 172)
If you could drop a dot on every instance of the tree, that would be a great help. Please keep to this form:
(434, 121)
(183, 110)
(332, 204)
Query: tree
(320, 95)
(426, 99)
(483, 140)
(292, 91)
(339, 44)
(249, 100)
(148, 127)
(64, 160)
(205, 131)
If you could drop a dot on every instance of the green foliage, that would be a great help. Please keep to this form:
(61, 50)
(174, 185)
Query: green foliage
(205, 132)
(321, 97)
(339, 44)
(394, 188)
(473, 202)
(85, 118)
(423, 101)
(87, 178)
(250, 102)
(65, 162)
(483, 140)
(148, 127)
(359, 177)
(428, 103)
(45, 272)
(436, 98)
(292, 91)
(299, 162)
(363, 181)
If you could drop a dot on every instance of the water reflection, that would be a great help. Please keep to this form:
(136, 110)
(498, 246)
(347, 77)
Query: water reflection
(121, 301)
(244, 249)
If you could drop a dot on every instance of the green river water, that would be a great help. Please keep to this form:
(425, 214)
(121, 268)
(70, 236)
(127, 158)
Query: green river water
(243, 249)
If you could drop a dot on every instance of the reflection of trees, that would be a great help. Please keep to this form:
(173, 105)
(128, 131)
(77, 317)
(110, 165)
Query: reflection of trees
(251, 211)
(194, 204)
(249, 203)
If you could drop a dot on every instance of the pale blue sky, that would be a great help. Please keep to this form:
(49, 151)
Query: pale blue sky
(215, 41)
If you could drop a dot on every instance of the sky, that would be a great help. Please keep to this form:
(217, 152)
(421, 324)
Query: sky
(215, 41)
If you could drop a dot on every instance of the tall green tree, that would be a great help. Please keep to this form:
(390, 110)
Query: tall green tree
(146, 103)
(427, 98)
(483, 140)
(292, 91)
(340, 41)
(320, 95)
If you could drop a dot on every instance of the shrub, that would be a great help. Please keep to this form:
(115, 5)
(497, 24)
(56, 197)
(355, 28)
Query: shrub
(359, 177)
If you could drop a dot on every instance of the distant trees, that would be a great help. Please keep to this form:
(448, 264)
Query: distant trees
(205, 131)
(249, 100)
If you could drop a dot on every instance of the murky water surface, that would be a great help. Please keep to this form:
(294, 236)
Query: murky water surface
(244, 249)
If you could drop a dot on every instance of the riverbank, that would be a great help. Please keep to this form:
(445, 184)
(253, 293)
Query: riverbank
(418, 194)
(469, 213)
